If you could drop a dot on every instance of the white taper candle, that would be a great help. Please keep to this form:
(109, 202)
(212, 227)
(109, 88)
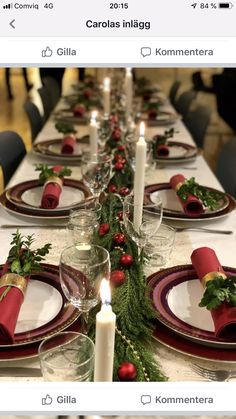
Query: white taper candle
(105, 337)
(139, 177)
(93, 134)
(106, 95)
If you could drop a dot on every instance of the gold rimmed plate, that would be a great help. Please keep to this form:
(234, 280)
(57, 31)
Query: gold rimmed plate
(173, 210)
(45, 311)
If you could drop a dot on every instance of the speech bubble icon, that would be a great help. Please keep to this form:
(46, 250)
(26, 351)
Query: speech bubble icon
(146, 399)
(146, 51)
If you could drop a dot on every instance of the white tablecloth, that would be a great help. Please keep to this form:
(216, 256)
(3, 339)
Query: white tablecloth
(175, 365)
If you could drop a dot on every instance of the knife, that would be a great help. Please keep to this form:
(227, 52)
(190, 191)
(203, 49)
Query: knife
(20, 372)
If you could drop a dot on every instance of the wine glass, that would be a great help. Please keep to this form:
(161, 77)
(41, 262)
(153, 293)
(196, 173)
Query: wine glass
(96, 172)
(82, 267)
(142, 223)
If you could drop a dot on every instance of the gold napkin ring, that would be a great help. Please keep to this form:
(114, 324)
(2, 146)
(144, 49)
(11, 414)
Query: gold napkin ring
(178, 186)
(212, 275)
(54, 179)
(14, 280)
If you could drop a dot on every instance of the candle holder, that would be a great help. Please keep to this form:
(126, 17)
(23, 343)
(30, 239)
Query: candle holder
(82, 269)
(151, 216)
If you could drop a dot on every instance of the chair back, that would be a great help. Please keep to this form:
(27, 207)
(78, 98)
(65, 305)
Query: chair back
(173, 91)
(45, 96)
(12, 151)
(184, 102)
(197, 122)
(35, 119)
(54, 89)
(226, 167)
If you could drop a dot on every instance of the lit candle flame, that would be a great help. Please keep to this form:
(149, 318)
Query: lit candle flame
(142, 129)
(105, 291)
(94, 116)
(106, 83)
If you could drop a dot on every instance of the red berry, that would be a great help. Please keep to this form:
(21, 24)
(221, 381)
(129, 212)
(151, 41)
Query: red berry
(116, 135)
(124, 191)
(119, 238)
(127, 371)
(103, 229)
(120, 215)
(126, 260)
(118, 166)
(121, 148)
(87, 93)
(112, 188)
(117, 277)
(118, 157)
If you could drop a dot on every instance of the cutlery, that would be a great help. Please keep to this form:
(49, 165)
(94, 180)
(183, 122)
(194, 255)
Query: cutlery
(33, 226)
(20, 372)
(213, 375)
(203, 229)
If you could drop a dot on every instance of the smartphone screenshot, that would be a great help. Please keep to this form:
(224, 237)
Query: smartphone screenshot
(117, 208)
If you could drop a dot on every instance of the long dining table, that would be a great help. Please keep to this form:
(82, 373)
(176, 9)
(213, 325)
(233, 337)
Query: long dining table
(176, 365)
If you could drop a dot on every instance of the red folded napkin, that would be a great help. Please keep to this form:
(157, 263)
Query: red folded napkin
(9, 310)
(205, 262)
(52, 190)
(152, 114)
(79, 111)
(68, 144)
(192, 206)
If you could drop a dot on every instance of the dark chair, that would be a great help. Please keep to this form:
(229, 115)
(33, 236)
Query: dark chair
(226, 167)
(184, 102)
(173, 91)
(35, 119)
(197, 122)
(54, 89)
(12, 151)
(45, 96)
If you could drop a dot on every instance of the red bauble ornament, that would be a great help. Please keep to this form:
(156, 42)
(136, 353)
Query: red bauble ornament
(124, 191)
(112, 188)
(126, 260)
(119, 239)
(152, 114)
(117, 278)
(121, 148)
(120, 215)
(118, 157)
(79, 110)
(116, 135)
(118, 166)
(87, 93)
(127, 371)
(103, 229)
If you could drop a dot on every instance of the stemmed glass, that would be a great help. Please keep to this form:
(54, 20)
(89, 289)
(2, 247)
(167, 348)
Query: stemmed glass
(96, 172)
(150, 221)
(82, 267)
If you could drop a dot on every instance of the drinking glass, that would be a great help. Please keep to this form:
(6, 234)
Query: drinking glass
(151, 217)
(96, 172)
(67, 356)
(160, 246)
(82, 224)
(82, 267)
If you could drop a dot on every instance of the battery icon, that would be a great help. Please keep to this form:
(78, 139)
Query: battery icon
(225, 5)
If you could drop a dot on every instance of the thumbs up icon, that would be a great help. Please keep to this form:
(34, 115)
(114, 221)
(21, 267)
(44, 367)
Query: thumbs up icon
(47, 400)
(47, 52)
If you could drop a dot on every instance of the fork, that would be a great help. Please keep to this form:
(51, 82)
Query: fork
(206, 230)
(213, 375)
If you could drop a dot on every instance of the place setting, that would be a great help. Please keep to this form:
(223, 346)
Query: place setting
(185, 200)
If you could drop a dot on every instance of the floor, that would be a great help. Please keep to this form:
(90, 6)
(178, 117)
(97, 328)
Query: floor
(12, 115)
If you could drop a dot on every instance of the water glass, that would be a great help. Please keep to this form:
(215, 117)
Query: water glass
(82, 268)
(149, 219)
(160, 246)
(82, 224)
(96, 172)
(67, 356)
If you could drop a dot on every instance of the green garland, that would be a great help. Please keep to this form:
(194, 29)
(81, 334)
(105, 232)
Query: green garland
(130, 301)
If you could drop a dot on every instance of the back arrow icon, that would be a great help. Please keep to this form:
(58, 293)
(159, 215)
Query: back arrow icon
(12, 24)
